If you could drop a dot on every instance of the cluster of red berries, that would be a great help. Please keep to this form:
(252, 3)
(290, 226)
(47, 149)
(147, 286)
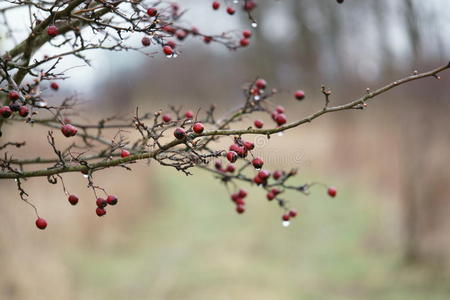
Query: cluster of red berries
(102, 203)
(15, 106)
(249, 5)
(52, 30)
(238, 199)
(238, 149)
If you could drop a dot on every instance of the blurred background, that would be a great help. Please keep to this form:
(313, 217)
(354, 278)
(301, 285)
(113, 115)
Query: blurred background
(385, 236)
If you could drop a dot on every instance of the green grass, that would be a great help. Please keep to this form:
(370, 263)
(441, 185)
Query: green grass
(194, 246)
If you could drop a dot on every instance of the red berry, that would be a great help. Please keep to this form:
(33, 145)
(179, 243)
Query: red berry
(249, 145)
(41, 223)
(179, 133)
(280, 119)
(261, 84)
(244, 42)
(198, 128)
(124, 153)
(275, 191)
(249, 5)
(230, 169)
(240, 209)
(152, 12)
(247, 34)
(146, 41)
(194, 31)
(257, 180)
(243, 193)
(14, 106)
(234, 147)
(54, 86)
(218, 165)
(277, 175)
(230, 10)
(171, 44)
(167, 50)
(52, 30)
(257, 163)
(73, 199)
(189, 114)
(259, 124)
(181, 34)
(242, 152)
(23, 111)
(216, 5)
(299, 95)
(286, 217)
(240, 201)
(270, 196)
(279, 109)
(292, 213)
(263, 174)
(100, 211)
(169, 29)
(332, 191)
(166, 118)
(13, 95)
(69, 130)
(234, 197)
(101, 202)
(207, 39)
(111, 200)
(5, 111)
(232, 156)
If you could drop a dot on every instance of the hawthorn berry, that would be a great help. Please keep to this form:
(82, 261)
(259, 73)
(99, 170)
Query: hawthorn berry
(181, 34)
(232, 156)
(52, 30)
(152, 11)
(277, 175)
(13, 95)
(275, 191)
(41, 223)
(101, 202)
(234, 197)
(207, 39)
(179, 133)
(218, 165)
(171, 44)
(5, 111)
(279, 109)
(230, 169)
(23, 111)
(14, 106)
(230, 10)
(216, 5)
(280, 119)
(292, 213)
(100, 211)
(244, 42)
(286, 217)
(169, 29)
(263, 174)
(111, 200)
(270, 196)
(69, 130)
(146, 41)
(249, 5)
(194, 30)
(124, 153)
(234, 147)
(259, 123)
(242, 152)
(247, 34)
(167, 50)
(261, 84)
(243, 193)
(198, 128)
(332, 191)
(257, 163)
(249, 145)
(240, 209)
(189, 114)
(299, 95)
(257, 180)
(73, 199)
(54, 86)
(166, 118)
(240, 201)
